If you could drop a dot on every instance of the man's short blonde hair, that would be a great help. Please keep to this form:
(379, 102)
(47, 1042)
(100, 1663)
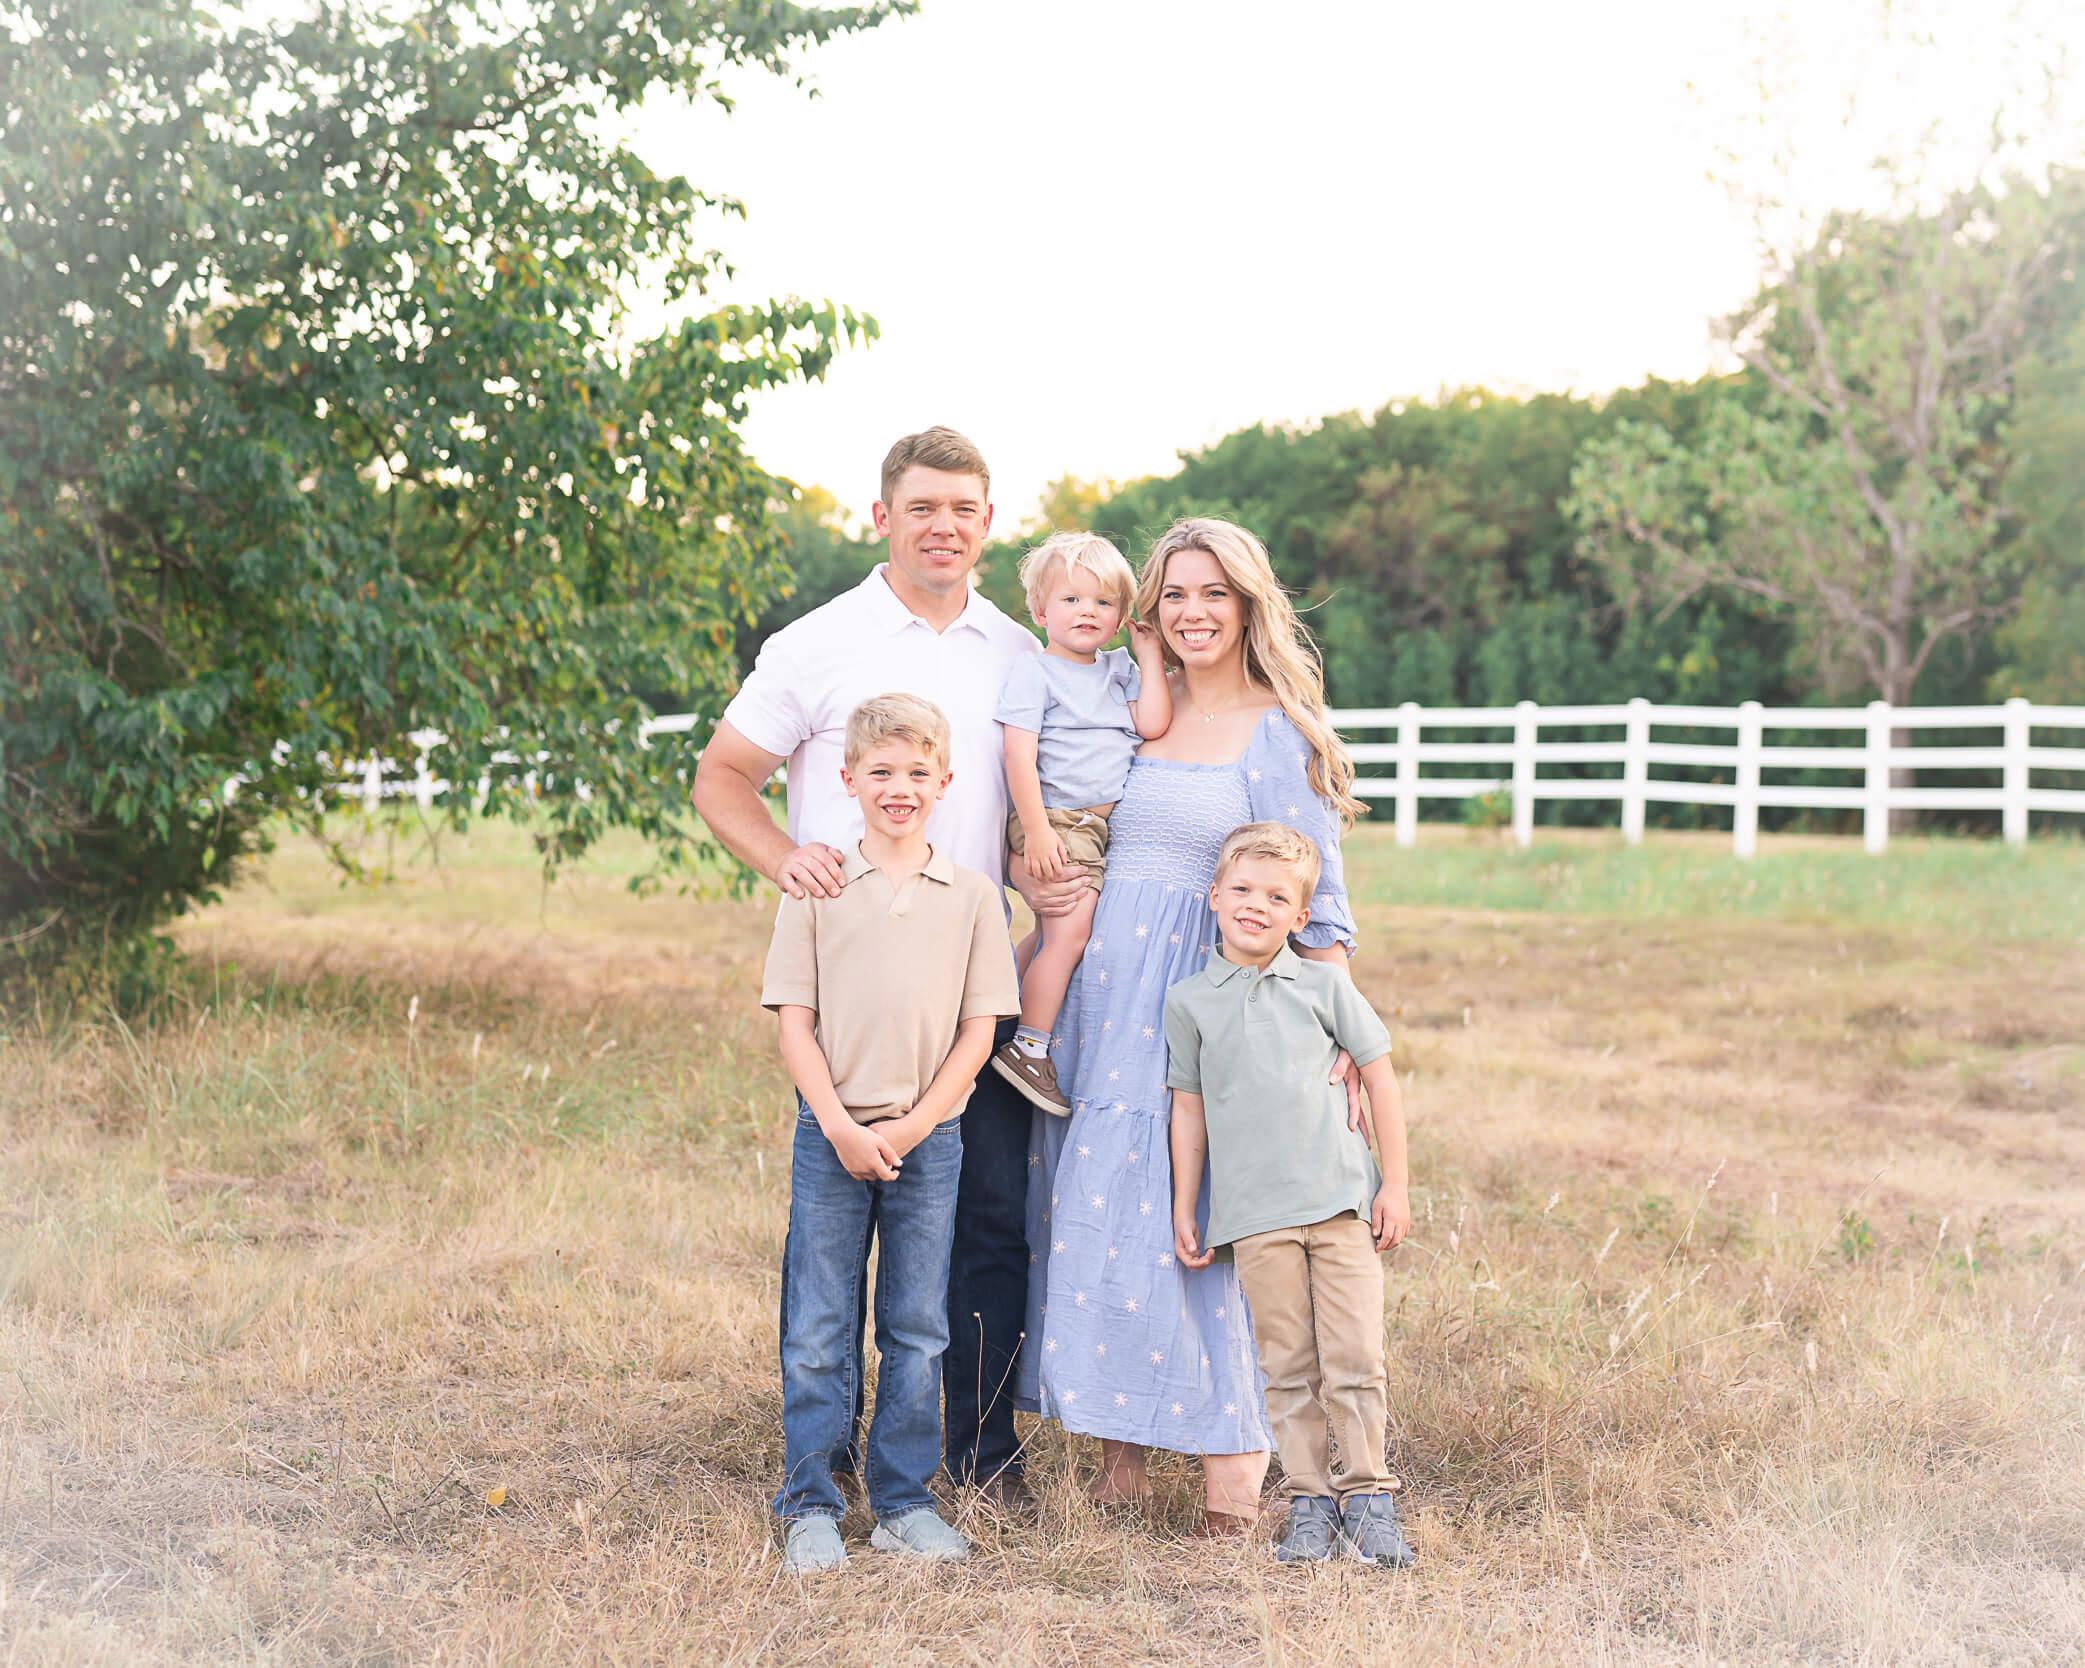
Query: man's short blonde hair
(885, 718)
(935, 448)
(1277, 843)
(1090, 554)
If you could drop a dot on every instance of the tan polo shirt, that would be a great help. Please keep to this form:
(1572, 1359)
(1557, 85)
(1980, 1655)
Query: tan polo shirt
(891, 974)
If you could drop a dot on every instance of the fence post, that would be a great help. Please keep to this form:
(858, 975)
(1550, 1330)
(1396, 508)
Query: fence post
(1636, 769)
(373, 781)
(2014, 815)
(1524, 774)
(1408, 774)
(1875, 822)
(1744, 821)
(423, 784)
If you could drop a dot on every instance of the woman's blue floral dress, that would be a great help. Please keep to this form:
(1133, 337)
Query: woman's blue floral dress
(1122, 1341)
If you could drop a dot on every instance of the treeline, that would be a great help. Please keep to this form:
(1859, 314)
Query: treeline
(1888, 499)
(1432, 545)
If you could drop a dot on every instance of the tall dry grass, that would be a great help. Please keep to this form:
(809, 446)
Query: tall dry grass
(1743, 1320)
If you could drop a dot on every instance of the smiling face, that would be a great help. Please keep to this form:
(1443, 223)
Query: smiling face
(1079, 611)
(898, 783)
(1200, 614)
(936, 523)
(1258, 903)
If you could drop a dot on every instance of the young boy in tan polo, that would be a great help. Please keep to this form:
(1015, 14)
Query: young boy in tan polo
(1250, 1042)
(888, 995)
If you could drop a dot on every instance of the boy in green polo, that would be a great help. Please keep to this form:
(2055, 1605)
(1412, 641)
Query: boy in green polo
(1295, 1196)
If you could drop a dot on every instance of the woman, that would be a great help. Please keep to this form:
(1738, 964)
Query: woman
(1122, 1342)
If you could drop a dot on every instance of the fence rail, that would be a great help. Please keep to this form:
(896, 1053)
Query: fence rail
(1879, 752)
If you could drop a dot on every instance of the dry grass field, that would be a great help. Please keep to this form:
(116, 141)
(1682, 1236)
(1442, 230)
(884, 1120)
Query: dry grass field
(406, 1294)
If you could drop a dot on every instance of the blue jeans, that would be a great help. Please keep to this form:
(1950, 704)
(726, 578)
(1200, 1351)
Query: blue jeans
(832, 1217)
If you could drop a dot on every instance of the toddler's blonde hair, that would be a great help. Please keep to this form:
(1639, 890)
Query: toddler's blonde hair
(897, 717)
(1090, 554)
(1277, 842)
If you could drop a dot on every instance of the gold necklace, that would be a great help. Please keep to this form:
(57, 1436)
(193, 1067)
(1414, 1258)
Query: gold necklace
(1211, 717)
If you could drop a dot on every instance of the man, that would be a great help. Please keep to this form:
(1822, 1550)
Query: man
(915, 626)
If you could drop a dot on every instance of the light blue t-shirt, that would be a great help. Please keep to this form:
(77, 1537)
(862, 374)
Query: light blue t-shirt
(1085, 736)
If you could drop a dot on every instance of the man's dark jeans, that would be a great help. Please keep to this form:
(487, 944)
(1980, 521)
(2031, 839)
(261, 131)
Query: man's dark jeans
(987, 1281)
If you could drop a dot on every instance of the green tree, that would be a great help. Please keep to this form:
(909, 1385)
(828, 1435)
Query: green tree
(1864, 496)
(824, 560)
(319, 426)
(2044, 643)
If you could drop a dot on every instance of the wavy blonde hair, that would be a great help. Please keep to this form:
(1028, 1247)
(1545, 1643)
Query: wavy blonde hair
(1280, 654)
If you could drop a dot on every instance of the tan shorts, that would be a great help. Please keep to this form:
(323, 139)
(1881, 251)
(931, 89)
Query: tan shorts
(1085, 837)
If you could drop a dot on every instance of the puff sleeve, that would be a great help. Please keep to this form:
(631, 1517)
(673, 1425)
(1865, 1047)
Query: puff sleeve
(1277, 783)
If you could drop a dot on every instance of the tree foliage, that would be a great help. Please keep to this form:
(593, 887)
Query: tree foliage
(319, 427)
(1865, 495)
(1429, 544)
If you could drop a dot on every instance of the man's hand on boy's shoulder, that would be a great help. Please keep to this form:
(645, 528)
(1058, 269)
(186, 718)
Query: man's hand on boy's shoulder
(812, 868)
(1391, 1218)
(864, 1152)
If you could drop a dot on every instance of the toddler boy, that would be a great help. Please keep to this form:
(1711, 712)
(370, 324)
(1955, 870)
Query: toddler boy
(1073, 716)
(1305, 1211)
(888, 996)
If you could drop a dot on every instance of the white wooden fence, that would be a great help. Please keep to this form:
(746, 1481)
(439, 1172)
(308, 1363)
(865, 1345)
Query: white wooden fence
(1516, 767)
(1868, 763)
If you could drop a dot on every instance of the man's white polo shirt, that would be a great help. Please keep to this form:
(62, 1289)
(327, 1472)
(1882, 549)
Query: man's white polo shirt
(815, 671)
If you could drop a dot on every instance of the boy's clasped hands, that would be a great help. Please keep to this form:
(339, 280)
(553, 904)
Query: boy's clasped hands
(875, 1152)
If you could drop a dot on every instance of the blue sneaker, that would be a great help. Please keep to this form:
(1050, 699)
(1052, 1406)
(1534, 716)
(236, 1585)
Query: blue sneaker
(1369, 1526)
(813, 1546)
(1313, 1528)
(920, 1533)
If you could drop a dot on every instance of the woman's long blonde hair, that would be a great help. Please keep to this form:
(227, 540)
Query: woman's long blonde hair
(1279, 651)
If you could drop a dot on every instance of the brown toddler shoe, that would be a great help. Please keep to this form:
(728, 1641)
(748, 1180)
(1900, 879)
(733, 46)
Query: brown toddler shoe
(1034, 1075)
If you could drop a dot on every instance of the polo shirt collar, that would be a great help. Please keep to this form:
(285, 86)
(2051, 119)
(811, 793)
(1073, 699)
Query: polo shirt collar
(940, 866)
(1285, 965)
(892, 616)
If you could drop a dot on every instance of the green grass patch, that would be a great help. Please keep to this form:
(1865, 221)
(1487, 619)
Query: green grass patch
(1976, 888)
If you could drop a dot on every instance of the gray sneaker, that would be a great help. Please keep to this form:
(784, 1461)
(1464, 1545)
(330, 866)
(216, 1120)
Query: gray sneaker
(813, 1545)
(1035, 1075)
(1368, 1524)
(1313, 1527)
(920, 1533)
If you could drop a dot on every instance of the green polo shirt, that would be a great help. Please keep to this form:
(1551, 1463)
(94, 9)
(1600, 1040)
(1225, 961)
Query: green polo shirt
(1257, 1047)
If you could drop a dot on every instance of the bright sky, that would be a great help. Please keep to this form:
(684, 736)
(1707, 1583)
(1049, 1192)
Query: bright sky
(1099, 232)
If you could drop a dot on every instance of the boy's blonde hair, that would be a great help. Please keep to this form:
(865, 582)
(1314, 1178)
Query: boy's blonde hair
(1090, 554)
(1277, 843)
(897, 717)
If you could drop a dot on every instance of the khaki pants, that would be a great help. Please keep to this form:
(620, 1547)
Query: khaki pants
(1317, 1311)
